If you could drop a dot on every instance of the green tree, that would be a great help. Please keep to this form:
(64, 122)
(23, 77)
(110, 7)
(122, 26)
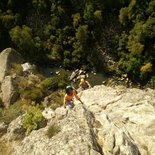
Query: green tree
(33, 120)
(137, 41)
(22, 38)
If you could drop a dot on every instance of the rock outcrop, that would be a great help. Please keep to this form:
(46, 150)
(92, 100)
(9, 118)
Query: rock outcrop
(77, 74)
(7, 57)
(9, 91)
(127, 118)
(27, 67)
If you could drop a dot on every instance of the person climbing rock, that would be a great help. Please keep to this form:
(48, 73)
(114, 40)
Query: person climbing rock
(69, 97)
(84, 84)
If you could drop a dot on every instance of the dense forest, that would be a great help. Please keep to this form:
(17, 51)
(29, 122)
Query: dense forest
(76, 34)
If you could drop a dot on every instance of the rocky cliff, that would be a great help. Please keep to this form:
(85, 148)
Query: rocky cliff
(7, 57)
(127, 117)
(8, 89)
(112, 121)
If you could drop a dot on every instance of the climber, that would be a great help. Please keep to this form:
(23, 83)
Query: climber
(70, 94)
(84, 84)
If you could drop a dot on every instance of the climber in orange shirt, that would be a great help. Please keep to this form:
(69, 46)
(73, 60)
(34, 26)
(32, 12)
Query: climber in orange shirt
(69, 96)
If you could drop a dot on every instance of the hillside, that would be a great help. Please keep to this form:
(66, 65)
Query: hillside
(116, 37)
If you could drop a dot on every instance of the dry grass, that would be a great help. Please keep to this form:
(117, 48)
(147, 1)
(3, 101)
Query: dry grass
(4, 148)
(52, 130)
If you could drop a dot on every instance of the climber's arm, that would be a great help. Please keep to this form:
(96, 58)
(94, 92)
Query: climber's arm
(77, 97)
(64, 104)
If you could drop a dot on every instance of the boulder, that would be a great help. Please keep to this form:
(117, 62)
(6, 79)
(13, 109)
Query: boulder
(78, 74)
(28, 68)
(15, 130)
(48, 113)
(9, 91)
(7, 57)
(74, 74)
(46, 101)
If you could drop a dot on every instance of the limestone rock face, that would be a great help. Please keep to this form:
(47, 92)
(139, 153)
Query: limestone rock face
(127, 118)
(27, 67)
(7, 57)
(15, 131)
(9, 91)
(76, 136)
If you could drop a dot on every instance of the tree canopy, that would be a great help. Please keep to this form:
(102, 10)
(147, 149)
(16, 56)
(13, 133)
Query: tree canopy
(73, 33)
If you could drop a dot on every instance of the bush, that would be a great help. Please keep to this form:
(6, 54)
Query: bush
(54, 83)
(56, 99)
(32, 94)
(33, 120)
(49, 83)
(16, 69)
(151, 83)
(15, 110)
(146, 68)
(22, 38)
(145, 71)
(22, 83)
(123, 17)
(67, 63)
(52, 130)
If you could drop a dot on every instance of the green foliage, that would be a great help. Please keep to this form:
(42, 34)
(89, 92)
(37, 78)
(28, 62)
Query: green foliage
(98, 14)
(52, 130)
(33, 120)
(22, 37)
(39, 4)
(67, 63)
(151, 8)
(77, 33)
(130, 65)
(146, 68)
(46, 29)
(56, 99)
(123, 16)
(82, 34)
(15, 110)
(149, 28)
(76, 19)
(135, 48)
(32, 94)
(56, 52)
(89, 14)
(8, 20)
(145, 71)
(137, 41)
(16, 69)
(151, 82)
(49, 83)
(54, 83)
(21, 83)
